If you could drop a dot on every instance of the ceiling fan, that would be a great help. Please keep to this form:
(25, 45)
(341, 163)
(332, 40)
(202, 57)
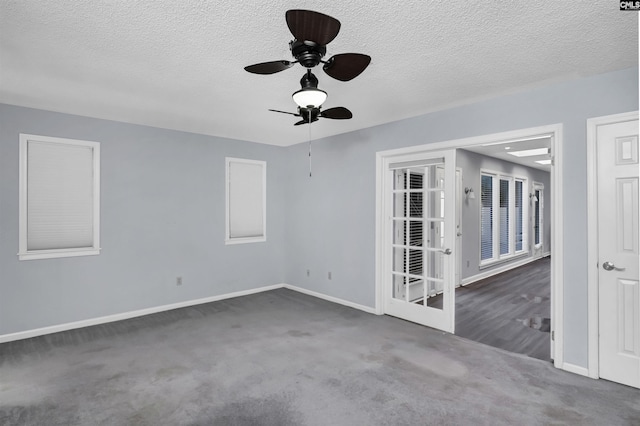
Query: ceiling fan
(312, 31)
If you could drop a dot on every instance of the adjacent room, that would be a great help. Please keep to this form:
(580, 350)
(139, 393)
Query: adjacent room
(302, 213)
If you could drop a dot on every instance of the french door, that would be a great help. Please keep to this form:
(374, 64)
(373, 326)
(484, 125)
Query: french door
(420, 237)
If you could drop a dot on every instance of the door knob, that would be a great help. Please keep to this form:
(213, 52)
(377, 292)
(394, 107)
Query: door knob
(446, 251)
(608, 266)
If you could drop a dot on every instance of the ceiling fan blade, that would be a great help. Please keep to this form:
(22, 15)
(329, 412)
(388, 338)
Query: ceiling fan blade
(269, 67)
(346, 66)
(285, 112)
(337, 113)
(307, 25)
(305, 121)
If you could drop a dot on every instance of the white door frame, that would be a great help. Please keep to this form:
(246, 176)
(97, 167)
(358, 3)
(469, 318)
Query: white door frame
(592, 234)
(554, 131)
(537, 254)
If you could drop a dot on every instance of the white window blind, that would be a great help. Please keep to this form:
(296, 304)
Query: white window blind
(59, 182)
(486, 217)
(246, 200)
(519, 216)
(504, 216)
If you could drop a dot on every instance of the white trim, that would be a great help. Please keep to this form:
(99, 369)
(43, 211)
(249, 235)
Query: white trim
(243, 240)
(575, 369)
(128, 315)
(555, 131)
(332, 299)
(557, 246)
(148, 311)
(592, 234)
(23, 252)
(504, 268)
(379, 247)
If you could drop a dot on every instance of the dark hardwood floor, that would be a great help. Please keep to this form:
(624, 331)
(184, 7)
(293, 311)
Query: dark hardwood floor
(510, 311)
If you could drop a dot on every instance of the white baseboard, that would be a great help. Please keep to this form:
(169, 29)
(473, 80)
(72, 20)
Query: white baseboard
(576, 369)
(127, 315)
(331, 298)
(148, 311)
(491, 272)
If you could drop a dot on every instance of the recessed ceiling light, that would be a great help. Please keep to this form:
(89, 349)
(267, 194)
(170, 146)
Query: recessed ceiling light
(544, 162)
(530, 152)
(507, 147)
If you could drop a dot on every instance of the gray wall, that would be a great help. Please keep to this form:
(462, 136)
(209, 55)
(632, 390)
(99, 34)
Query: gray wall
(331, 217)
(162, 216)
(471, 163)
(163, 208)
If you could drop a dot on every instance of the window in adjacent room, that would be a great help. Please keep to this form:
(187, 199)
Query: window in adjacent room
(503, 228)
(59, 197)
(246, 198)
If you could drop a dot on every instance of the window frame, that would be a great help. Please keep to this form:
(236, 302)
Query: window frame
(23, 251)
(244, 240)
(512, 253)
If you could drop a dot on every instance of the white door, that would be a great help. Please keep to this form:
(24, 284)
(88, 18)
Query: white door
(420, 238)
(618, 234)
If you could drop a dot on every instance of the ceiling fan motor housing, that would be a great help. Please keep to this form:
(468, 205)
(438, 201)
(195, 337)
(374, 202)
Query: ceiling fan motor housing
(307, 53)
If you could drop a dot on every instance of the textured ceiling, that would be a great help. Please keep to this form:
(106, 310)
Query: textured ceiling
(179, 64)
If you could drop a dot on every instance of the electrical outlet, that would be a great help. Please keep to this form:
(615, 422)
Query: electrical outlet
(308, 272)
(467, 263)
(178, 280)
(329, 274)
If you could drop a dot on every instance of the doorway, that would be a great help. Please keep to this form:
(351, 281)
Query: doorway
(504, 300)
(384, 235)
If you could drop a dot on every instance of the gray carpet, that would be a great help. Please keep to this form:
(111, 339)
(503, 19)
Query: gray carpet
(283, 358)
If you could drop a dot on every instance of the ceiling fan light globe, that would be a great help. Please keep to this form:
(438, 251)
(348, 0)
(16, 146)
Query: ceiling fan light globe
(309, 98)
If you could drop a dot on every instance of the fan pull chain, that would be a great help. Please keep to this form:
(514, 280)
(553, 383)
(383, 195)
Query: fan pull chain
(309, 145)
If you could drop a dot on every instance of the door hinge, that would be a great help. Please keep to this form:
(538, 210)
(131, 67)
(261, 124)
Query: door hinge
(553, 336)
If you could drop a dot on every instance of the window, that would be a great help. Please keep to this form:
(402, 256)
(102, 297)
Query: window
(59, 197)
(502, 217)
(246, 201)
(486, 217)
(519, 216)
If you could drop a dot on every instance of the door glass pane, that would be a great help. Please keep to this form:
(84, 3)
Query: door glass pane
(436, 237)
(415, 233)
(399, 179)
(399, 229)
(416, 291)
(399, 258)
(416, 206)
(399, 286)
